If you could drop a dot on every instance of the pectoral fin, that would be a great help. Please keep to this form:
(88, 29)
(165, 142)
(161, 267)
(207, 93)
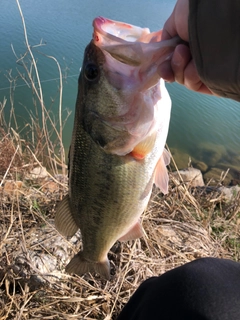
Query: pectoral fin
(161, 177)
(64, 221)
(144, 147)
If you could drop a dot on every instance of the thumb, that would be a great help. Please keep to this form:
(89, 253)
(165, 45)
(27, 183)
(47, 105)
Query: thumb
(177, 23)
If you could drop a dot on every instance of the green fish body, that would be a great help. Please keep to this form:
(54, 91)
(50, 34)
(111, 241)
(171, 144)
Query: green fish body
(117, 153)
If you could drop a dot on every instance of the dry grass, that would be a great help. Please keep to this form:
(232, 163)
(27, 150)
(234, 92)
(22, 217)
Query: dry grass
(180, 227)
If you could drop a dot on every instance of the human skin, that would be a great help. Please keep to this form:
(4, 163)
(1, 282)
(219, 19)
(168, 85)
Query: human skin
(181, 68)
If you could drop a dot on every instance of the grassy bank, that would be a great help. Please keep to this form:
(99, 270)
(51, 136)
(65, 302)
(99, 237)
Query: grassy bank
(186, 224)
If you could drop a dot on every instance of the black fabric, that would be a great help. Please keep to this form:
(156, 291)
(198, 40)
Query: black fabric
(205, 289)
(214, 32)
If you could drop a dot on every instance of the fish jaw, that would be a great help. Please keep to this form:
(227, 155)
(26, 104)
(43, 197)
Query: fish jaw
(123, 116)
(133, 46)
(110, 32)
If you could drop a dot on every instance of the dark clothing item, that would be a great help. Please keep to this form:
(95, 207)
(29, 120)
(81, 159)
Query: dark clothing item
(205, 289)
(214, 31)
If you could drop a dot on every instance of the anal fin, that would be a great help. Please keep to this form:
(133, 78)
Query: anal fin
(134, 233)
(64, 221)
(161, 177)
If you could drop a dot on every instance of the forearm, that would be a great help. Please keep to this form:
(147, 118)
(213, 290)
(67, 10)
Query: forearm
(214, 31)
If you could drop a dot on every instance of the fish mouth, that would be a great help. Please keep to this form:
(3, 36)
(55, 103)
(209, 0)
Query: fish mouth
(117, 38)
(119, 30)
(130, 44)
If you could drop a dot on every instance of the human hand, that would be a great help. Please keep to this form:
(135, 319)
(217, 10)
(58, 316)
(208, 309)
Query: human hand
(181, 68)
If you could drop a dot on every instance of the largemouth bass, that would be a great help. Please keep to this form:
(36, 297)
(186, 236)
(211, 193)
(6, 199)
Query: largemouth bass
(117, 149)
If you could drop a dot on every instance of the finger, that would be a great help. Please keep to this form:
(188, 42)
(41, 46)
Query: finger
(192, 80)
(165, 71)
(180, 59)
(169, 28)
(204, 89)
(177, 23)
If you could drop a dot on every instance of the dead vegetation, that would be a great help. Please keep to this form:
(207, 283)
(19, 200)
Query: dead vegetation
(180, 227)
(186, 224)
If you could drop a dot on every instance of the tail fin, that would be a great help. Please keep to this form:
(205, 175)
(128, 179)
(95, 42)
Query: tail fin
(79, 265)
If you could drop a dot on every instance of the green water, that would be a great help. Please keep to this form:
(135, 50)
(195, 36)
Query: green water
(204, 127)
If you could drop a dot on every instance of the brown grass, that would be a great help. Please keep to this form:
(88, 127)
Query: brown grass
(180, 227)
(7, 153)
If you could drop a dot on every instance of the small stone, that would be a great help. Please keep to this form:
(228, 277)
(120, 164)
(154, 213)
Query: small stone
(230, 193)
(12, 187)
(202, 166)
(50, 186)
(181, 159)
(234, 171)
(38, 173)
(214, 175)
(210, 153)
(190, 175)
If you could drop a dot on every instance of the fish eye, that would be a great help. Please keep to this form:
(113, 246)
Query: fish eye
(91, 72)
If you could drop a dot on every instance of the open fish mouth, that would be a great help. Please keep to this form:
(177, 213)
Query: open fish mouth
(132, 45)
(119, 30)
(117, 38)
(132, 56)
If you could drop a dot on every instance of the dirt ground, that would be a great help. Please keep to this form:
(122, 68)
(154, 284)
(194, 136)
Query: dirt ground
(184, 225)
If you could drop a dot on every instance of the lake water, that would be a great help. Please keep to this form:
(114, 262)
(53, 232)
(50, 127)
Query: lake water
(203, 127)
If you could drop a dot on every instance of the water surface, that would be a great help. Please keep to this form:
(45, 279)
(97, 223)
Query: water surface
(199, 123)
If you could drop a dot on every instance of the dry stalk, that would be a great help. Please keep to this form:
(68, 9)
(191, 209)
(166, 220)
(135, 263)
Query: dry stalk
(38, 91)
(49, 174)
(41, 134)
(60, 132)
(10, 164)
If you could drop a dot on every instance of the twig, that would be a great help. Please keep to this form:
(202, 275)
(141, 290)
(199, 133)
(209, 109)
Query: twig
(39, 163)
(39, 93)
(10, 164)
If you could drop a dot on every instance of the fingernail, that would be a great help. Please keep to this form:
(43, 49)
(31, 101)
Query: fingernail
(177, 59)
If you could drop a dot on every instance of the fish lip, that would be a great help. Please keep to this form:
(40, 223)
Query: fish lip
(99, 21)
(107, 33)
(97, 25)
